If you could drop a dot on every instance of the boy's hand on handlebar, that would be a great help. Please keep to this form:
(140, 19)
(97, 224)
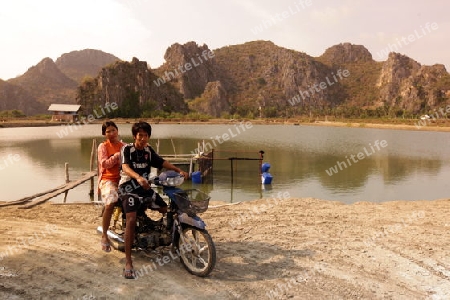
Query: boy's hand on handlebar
(184, 174)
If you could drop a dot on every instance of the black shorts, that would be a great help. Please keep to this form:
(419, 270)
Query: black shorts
(141, 199)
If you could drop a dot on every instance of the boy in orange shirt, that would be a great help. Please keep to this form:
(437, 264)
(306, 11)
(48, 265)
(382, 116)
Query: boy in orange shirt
(108, 154)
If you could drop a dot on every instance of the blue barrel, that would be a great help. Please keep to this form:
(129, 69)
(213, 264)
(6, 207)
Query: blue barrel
(266, 178)
(196, 177)
(265, 167)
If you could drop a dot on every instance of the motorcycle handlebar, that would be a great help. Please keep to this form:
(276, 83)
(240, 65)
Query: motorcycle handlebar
(169, 178)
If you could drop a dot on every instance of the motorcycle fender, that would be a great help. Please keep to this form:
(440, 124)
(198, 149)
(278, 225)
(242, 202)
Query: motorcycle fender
(193, 221)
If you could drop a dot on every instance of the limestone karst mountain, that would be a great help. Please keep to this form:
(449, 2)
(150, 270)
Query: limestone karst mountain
(53, 82)
(253, 79)
(262, 79)
(46, 83)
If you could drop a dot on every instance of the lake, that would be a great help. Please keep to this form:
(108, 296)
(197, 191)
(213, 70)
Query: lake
(331, 163)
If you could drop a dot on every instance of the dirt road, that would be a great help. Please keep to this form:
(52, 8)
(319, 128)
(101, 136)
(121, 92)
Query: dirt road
(278, 248)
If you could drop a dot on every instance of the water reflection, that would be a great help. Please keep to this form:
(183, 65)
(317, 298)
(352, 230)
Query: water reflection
(414, 164)
(396, 169)
(54, 153)
(305, 165)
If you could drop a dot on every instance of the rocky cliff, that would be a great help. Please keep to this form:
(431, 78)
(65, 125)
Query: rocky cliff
(262, 78)
(359, 88)
(188, 67)
(130, 86)
(406, 84)
(214, 100)
(346, 53)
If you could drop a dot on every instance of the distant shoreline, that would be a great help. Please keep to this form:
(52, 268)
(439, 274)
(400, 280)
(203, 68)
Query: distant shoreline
(293, 122)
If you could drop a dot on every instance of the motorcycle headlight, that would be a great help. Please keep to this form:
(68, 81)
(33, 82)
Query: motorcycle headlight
(170, 178)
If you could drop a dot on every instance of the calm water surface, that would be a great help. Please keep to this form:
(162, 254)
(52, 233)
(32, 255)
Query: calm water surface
(344, 164)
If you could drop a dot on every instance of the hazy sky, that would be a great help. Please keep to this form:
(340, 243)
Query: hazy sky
(35, 29)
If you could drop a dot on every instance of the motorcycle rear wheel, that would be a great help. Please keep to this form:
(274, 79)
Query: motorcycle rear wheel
(197, 251)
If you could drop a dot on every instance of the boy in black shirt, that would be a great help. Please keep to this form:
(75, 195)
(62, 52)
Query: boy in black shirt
(137, 159)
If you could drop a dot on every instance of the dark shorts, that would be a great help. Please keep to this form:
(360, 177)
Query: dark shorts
(141, 199)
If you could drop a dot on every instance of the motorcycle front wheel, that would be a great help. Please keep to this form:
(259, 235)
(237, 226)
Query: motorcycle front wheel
(197, 251)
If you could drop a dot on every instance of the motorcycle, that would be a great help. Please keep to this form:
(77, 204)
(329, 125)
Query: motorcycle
(180, 227)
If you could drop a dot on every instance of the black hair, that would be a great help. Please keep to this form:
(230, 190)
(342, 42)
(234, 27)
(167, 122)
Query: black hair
(106, 124)
(141, 125)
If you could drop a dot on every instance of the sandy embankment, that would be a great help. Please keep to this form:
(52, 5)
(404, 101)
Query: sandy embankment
(281, 249)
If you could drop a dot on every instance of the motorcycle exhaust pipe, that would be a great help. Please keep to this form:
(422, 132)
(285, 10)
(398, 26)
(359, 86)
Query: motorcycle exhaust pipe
(111, 235)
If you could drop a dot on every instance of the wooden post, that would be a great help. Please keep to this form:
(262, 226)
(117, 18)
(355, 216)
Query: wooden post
(173, 146)
(66, 168)
(211, 167)
(232, 179)
(261, 157)
(91, 165)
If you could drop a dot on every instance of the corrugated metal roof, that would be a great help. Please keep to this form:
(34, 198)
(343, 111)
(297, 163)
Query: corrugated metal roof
(64, 107)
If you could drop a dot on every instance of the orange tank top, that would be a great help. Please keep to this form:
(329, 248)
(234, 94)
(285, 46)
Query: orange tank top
(112, 173)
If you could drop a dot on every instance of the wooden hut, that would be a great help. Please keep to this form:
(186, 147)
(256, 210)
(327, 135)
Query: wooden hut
(64, 112)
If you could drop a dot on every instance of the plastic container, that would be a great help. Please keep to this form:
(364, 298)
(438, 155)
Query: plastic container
(265, 167)
(196, 177)
(266, 178)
